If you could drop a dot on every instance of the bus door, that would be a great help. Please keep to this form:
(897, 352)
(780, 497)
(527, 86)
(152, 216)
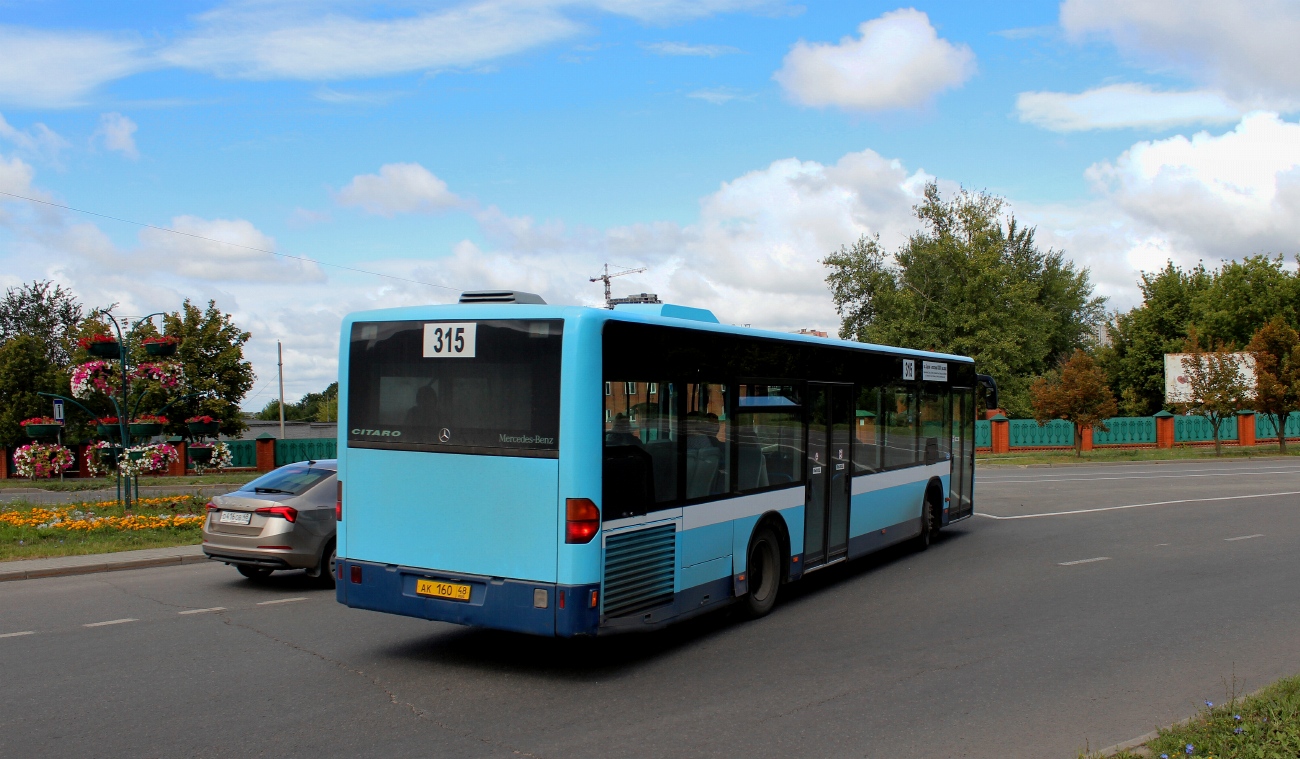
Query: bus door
(826, 512)
(961, 484)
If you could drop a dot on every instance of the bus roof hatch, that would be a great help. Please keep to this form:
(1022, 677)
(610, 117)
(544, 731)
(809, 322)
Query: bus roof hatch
(668, 309)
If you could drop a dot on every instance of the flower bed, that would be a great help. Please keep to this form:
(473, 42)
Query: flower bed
(105, 346)
(160, 345)
(99, 527)
(92, 377)
(147, 459)
(42, 460)
(40, 426)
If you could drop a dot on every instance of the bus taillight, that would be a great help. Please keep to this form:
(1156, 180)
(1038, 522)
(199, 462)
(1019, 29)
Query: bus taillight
(338, 503)
(581, 520)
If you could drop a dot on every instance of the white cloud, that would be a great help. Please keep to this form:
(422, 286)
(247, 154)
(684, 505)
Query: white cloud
(220, 250)
(1121, 106)
(118, 133)
(718, 95)
(686, 48)
(899, 61)
(1246, 47)
(261, 40)
(39, 140)
(399, 188)
(16, 176)
(1221, 196)
(41, 69)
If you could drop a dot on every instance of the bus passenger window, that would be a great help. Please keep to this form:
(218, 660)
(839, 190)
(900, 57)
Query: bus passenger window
(769, 437)
(898, 414)
(707, 452)
(641, 438)
(935, 444)
(867, 432)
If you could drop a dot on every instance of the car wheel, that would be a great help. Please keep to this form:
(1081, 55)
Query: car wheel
(253, 573)
(328, 566)
(763, 570)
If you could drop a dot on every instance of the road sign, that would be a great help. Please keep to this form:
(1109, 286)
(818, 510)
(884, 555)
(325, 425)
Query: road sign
(58, 410)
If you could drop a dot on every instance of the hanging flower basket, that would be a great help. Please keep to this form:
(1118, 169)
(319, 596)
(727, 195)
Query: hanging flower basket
(96, 377)
(203, 426)
(201, 454)
(104, 346)
(147, 426)
(146, 459)
(42, 460)
(40, 426)
(107, 426)
(101, 459)
(168, 375)
(164, 345)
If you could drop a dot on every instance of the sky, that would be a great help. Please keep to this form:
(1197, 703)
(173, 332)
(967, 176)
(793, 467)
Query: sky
(411, 150)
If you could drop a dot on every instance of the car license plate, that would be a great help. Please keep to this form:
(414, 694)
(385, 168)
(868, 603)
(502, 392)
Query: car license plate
(236, 517)
(451, 590)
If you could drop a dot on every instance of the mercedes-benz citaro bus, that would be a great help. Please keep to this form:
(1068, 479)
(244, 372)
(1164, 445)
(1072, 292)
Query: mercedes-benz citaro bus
(562, 470)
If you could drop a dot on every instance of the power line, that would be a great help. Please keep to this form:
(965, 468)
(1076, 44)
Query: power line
(225, 242)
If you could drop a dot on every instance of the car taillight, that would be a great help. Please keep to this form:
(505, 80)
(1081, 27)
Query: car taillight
(213, 507)
(338, 503)
(581, 520)
(288, 512)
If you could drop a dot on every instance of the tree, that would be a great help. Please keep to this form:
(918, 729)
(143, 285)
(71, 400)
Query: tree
(1243, 296)
(25, 371)
(1216, 387)
(1079, 394)
(212, 354)
(1140, 338)
(968, 282)
(313, 407)
(1276, 348)
(45, 311)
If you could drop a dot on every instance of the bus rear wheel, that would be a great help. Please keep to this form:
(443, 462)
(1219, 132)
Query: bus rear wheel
(763, 570)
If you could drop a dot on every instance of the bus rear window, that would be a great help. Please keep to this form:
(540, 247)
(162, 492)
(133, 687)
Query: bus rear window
(488, 387)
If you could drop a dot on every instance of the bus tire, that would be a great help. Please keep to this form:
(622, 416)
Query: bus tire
(763, 570)
(923, 540)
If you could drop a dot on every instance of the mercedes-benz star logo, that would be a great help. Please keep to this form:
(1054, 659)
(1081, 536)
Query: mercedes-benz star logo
(444, 434)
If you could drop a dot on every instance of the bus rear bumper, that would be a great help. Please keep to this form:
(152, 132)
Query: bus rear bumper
(495, 602)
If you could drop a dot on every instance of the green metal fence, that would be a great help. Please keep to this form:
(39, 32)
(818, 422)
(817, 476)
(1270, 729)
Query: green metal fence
(305, 449)
(243, 453)
(1027, 433)
(1197, 429)
(1265, 429)
(983, 433)
(1126, 430)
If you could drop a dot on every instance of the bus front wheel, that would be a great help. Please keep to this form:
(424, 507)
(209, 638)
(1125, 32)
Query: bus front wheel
(763, 570)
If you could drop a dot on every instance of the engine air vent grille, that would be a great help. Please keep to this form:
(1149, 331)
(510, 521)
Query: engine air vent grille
(500, 296)
(639, 570)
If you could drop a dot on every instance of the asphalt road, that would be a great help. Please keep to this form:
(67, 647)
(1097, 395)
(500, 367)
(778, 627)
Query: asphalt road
(1028, 636)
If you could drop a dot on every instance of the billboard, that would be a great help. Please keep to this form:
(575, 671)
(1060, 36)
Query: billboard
(1177, 388)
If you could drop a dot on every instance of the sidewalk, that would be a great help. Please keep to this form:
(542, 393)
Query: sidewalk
(30, 569)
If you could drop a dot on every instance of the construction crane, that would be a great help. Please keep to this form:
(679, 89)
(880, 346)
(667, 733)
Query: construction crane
(606, 277)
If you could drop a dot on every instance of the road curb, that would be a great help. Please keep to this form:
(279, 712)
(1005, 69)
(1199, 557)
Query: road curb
(108, 566)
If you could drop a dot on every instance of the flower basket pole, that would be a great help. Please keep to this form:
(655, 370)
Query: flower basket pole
(128, 490)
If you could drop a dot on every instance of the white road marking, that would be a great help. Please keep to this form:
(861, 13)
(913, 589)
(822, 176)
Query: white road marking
(1078, 471)
(15, 635)
(202, 611)
(282, 601)
(1084, 561)
(110, 622)
(1138, 505)
(1179, 475)
(1161, 544)
(1246, 537)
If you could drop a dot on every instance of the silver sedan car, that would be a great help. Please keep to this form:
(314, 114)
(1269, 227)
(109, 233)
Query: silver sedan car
(281, 520)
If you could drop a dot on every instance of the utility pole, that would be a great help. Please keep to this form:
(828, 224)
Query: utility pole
(606, 277)
(279, 352)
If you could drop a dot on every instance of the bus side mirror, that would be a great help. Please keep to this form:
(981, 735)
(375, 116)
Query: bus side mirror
(990, 386)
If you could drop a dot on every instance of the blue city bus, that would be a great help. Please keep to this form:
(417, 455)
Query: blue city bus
(563, 470)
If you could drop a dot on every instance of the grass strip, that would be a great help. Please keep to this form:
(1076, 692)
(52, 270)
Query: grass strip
(78, 484)
(41, 532)
(1265, 725)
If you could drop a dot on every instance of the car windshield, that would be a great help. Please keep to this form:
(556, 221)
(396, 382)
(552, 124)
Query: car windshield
(289, 480)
